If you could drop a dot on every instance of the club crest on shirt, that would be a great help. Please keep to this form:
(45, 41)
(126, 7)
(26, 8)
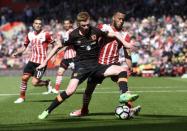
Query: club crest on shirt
(88, 47)
(78, 41)
(93, 37)
(42, 39)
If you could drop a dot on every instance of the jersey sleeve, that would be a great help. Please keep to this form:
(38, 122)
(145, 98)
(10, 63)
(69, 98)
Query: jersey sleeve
(49, 38)
(26, 41)
(101, 32)
(68, 41)
(102, 27)
(127, 38)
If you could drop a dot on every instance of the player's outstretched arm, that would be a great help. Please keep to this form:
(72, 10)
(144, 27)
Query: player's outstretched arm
(120, 38)
(19, 51)
(128, 59)
(51, 54)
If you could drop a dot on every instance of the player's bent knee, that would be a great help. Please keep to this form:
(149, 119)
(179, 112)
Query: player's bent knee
(34, 82)
(25, 78)
(69, 93)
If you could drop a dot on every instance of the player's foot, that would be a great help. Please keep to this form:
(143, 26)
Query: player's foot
(49, 88)
(19, 100)
(135, 111)
(55, 91)
(43, 115)
(47, 92)
(126, 97)
(79, 113)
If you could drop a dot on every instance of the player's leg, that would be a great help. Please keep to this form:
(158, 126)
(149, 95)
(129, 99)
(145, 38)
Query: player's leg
(135, 111)
(92, 82)
(23, 88)
(27, 73)
(60, 98)
(38, 82)
(115, 70)
(125, 97)
(115, 79)
(86, 100)
(63, 66)
(78, 76)
(59, 75)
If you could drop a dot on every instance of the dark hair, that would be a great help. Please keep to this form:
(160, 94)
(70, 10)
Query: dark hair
(38, 18)
(68, 19)
(118, 11)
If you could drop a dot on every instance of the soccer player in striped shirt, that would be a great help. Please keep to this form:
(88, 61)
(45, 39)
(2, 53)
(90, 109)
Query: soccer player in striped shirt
(109, 55)
(69, 54)
(38, 40)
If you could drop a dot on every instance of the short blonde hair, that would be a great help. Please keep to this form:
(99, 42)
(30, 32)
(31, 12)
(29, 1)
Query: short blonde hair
(83, 16)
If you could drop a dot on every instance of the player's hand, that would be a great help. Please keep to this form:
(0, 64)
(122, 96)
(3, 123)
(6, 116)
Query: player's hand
(130, 71)
(15, 54)
(41, 66)
(134, 48)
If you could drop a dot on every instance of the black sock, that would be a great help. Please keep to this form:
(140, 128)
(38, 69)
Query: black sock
(88, 94)
(86, 101)
(56, 102)
(53, 105)
(123, 83)
(123, 86)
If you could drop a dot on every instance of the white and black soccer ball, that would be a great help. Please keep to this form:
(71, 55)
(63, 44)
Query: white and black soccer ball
(122, 112)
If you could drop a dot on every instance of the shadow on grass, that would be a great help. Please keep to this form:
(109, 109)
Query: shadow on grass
(40, 100)
(141, 123)
(102, 114)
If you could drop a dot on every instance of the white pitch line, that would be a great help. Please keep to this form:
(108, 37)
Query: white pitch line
(108, 92)
(157, 87)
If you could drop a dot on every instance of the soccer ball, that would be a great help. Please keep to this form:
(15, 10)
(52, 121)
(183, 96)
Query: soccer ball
(122, 112)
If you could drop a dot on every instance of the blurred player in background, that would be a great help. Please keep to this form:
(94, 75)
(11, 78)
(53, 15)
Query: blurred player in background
(39, 41)
(69, 54)
(112, 52)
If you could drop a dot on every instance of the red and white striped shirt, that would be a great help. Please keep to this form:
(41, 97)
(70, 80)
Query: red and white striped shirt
(69, 51)
(109, 53)
(39, 44)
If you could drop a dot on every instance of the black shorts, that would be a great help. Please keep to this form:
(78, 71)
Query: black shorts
(98, 75)
(99, 80)
(30, 68)
(65, 63)
(85, 69)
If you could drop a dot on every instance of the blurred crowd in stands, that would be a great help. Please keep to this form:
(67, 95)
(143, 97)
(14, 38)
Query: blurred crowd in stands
(159, 27)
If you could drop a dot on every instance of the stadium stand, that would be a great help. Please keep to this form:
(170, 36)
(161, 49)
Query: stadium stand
(159, 27)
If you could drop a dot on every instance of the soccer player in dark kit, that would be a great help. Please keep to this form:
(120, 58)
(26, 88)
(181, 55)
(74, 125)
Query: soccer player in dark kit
(85, 41)
(112, 52)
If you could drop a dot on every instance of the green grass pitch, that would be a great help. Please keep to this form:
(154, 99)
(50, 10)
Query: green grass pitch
(163, 101)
